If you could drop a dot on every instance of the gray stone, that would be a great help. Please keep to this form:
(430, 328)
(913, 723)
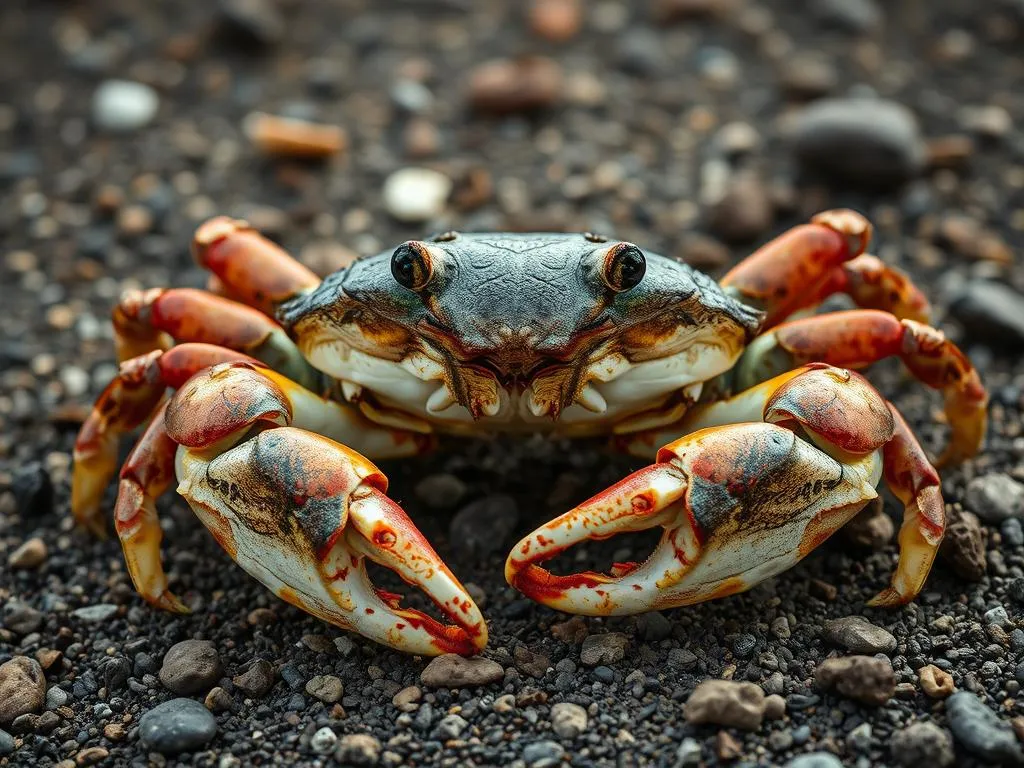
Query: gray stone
(191, 666)
(453, 671)
(857, 16)
(323, 741)
(608, 648)
(451, 727)
(991, 313)
(866, 142)
(815, 760)
(543, 754)
(483, 526)
(6, 743)
(922, 744)
(178, 725)
(327, 688)
(858, 635)
(122, 105)
(95, 614)
(56, 697)
(980, 731)
(997, 496)
(20, 618)
(568, 720)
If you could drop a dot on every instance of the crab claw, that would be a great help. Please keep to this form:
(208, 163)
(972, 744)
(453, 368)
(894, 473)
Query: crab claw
(302, 514)
(738, 504)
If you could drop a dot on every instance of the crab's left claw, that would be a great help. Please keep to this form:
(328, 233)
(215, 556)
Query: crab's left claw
(302, 514)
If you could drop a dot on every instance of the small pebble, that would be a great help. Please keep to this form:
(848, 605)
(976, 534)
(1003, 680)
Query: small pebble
(453, 671)
(178, 725)
(607, 648)
(997, 496)
(568, 720)
(866, 679)
(191, 666)
(921, 744)
(123, 106)
(857, 635)
(416, 194)
(95, 614)
(726, 702)
(22, 688)
(257, 680)
(358, 749)
(935, 682)
(323, 741)
(980, 731)
(526, 84)
(327, 688)
(31, 554)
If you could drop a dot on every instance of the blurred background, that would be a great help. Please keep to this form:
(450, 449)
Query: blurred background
(696, 128)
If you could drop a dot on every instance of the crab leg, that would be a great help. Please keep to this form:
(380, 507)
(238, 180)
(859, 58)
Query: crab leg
(250, 267)
(740, 502)
(301, 513)
(144, 319)
(130, 398)
(860, 337)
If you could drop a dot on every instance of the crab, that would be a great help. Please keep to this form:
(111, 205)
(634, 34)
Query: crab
(268, 395)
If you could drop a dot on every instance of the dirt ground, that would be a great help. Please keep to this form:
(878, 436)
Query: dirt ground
(684, 125)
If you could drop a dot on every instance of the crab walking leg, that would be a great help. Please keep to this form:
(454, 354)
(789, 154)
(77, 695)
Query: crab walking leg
(843, 415)
(146, 474)
(872, 284)
(143, 321)
(130, 398)
(778, 277)
(249, 266)
(860, 337)
(301, 513)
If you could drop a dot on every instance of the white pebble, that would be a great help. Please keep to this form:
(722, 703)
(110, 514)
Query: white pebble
(323, 741)
(122, 105)
(416, 194)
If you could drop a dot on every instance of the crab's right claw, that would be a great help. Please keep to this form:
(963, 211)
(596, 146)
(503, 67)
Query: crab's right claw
(302, 514)
(738, 504)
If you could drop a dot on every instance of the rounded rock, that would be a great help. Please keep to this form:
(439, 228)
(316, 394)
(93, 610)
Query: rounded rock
(980, 731)
(31, 554)
(866, 142)
(326, 688)
(858, 635)
(123, 105)
(178, 725)
(415, 195)
(922, 744)
(726, 702)
(866, 679)
(568, 720)
(454, 671)
(815, 760)
(357, 749)
(22, 688)
(191, 666)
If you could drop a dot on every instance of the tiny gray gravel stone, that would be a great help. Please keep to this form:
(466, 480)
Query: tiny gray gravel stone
(123, 105)
(997, 496)
(608, 648)
(870, 142)
(56, 697)
(980, 731)
(858, 635)
(95, 614)
(178, 725)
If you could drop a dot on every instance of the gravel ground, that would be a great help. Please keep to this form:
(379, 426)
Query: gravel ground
(698, 128)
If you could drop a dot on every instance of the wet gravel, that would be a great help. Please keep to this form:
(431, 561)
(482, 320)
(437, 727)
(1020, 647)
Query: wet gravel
(698, 128)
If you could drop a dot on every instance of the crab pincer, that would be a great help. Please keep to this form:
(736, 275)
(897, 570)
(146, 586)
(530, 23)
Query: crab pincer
(302, 514)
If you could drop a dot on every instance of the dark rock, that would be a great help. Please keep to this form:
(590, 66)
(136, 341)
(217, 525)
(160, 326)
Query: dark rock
(857, 16)
(33, 490)
(991, 312)
(115, 671)
(922, 744)
(865, 142)
(252, 23)
(980, 731)
(257, 679)
(482, 527)
(178, 725)
(963, 545)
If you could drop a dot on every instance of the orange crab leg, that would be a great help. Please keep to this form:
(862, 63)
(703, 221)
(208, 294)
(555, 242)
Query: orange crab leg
(126, 403)
(144, 319)
(778, 276)
(146, 474)
(250, 267)
(858, 338)
(873, 284)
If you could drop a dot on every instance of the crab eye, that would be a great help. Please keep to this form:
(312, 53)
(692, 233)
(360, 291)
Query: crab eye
(624, 267)
(410, 265)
